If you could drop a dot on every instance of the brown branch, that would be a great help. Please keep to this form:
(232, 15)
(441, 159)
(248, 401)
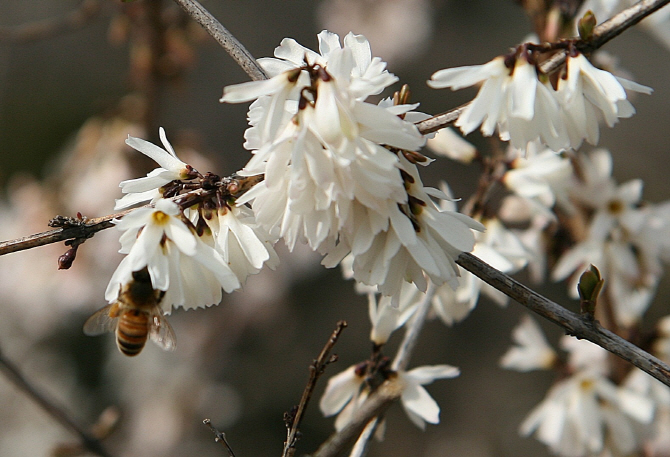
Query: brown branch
(39, 30)
(236, 186)
(316, 369)
(440, 121)
(231, 45)
(15, 377)
(574, 324)
(85, 230)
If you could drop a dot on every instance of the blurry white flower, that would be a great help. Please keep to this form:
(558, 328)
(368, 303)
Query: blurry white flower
(448, 143)
(147, 189)
(531, 352)
(346, 391)
(543, 177)
(625, 241)
(587, 414)
(416, 401)
(387, 317)
(190, 271)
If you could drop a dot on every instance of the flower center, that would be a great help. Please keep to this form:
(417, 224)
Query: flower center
(160, 218)
(615, 207)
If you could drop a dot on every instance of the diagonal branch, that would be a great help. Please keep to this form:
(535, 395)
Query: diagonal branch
(316, 370)
(226, 39)
(574, 324)
(12, 373)
(609, 29)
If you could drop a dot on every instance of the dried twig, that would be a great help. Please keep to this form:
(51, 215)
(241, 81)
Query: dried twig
(232, 46)
(316, 369)
(580, 326)
(39, 30)
(14, 375)
(220, 436)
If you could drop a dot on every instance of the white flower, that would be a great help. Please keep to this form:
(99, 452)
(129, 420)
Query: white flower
(448, 143)
(511, 98)
(543, 177)
(416, 401)
(244, 246)
(532, 352)
(191, 272)
(587, 90)
(147, 189)
(420, 241)
(385, 317)
(587, 414)
(624, 241)
(346, 391)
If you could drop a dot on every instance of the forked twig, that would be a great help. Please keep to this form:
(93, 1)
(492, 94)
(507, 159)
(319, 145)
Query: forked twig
(219, 436)
(316, 369)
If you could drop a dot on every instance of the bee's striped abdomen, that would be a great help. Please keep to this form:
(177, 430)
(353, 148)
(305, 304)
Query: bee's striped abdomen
(132, 332)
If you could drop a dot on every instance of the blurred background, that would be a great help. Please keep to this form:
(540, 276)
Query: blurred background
(70, 95)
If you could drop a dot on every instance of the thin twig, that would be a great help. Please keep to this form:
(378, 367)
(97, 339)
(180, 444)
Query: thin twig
(315, 371)
(14, 375)
(39, 30)
(574, 324)
(220, 436)
(231, 45)
(440, 121)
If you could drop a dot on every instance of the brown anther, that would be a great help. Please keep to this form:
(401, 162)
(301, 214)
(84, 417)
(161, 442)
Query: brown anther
(414, 157)
(323, 74)
(406, 177)
(293, 75)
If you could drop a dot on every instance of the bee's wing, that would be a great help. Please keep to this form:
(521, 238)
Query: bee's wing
(160, 331)
(102, 321)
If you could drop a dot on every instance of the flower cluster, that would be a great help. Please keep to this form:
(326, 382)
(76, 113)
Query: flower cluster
(340, 173)
(584, 413)
(625, 239)
(190, 258)
(525, 107)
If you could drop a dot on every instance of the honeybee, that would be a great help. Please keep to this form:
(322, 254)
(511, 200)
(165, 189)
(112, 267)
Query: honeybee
(135, 316)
